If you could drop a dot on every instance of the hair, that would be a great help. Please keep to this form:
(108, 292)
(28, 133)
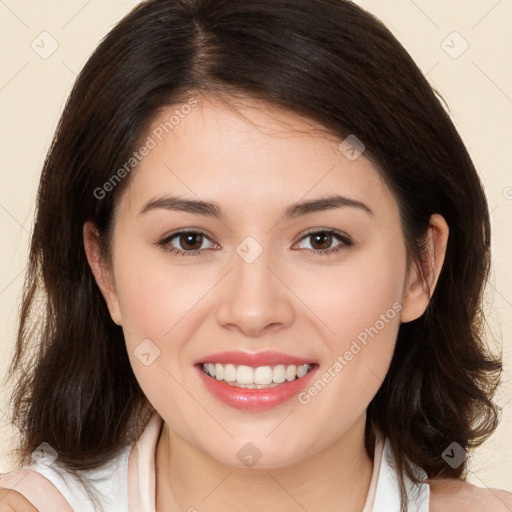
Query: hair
(331, 62)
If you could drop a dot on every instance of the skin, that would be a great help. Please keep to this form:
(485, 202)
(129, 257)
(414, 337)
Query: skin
(254, 163)
(251, 310)
(452, 495)
(12, 501)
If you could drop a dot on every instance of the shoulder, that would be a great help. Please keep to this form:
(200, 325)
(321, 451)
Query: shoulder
(53, 487)
(459, 496)
(41, 492)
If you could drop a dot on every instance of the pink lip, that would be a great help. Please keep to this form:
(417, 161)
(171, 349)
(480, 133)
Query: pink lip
(255, 399)
(266, 358)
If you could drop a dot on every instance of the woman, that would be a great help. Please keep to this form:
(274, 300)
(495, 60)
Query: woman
(262, 275)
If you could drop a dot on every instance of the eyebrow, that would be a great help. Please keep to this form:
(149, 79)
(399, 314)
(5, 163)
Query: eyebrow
(209, 209)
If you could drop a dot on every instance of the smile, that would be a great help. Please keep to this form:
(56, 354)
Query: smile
(255, 388)
(260, 377)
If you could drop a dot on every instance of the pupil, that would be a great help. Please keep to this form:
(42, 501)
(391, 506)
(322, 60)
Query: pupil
(322, 239)
(323, 236)
(189, 239)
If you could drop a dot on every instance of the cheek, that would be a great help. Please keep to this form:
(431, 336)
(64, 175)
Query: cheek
(360, 306)
(157, 302)
(361, 294)
(157, 298)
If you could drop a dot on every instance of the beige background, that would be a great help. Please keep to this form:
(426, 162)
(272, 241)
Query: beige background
(477, 85)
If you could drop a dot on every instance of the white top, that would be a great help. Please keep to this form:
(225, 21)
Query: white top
(127, 482)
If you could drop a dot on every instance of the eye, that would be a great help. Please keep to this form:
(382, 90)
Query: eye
(191, 243)
(321, 241)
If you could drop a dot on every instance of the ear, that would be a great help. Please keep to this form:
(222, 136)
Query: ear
(100, 270)
(422, 277)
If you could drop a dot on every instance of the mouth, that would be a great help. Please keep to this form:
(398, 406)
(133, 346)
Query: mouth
(260, 377)
(255, 381)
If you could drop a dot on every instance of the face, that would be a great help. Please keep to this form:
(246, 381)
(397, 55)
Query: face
(328, 284)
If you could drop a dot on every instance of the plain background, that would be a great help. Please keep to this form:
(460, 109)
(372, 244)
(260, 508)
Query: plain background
(463, 47)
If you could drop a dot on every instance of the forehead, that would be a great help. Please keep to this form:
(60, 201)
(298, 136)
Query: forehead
(250, 152)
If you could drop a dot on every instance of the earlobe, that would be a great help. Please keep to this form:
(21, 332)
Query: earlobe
(101, 273)
(423, 277)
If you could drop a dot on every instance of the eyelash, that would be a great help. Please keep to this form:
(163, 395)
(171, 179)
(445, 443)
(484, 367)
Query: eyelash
(346, 242)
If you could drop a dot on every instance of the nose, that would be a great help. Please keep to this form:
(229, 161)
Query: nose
(254, 298)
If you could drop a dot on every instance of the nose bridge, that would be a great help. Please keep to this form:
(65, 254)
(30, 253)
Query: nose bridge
(252, 279)
(253, 297)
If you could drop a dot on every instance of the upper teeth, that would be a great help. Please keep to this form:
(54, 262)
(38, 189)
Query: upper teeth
(262, 375)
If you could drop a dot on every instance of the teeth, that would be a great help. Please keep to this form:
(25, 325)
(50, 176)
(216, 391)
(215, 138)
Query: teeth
(301, 371)
(255, 378)
(229, 372)
(219, 372)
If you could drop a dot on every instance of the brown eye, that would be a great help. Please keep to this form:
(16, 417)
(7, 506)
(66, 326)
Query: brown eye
(186, 243)
(321, 241)
(191, 241)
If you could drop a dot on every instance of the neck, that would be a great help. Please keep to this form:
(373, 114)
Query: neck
(335, 479)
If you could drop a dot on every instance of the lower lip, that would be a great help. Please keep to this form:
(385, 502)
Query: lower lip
(255, 399)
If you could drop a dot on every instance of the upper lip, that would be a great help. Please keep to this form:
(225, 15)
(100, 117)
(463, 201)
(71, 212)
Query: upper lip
(255, 359)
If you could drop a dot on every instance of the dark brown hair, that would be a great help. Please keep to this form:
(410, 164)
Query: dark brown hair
(331, 62)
